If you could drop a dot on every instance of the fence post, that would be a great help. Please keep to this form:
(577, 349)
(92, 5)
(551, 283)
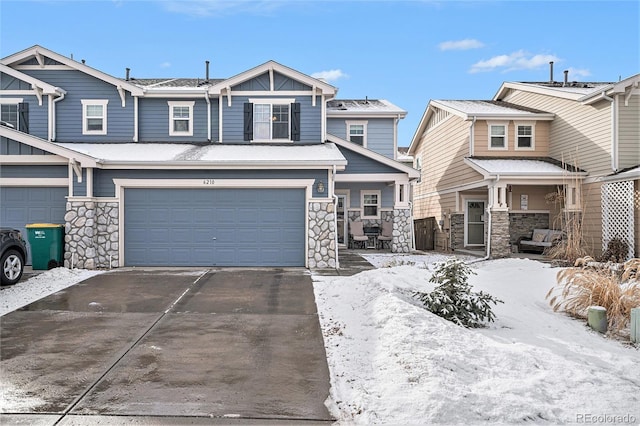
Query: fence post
(597, 318)
(635, 325)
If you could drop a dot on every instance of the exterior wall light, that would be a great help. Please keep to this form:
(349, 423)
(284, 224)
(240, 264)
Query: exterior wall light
(320, 187)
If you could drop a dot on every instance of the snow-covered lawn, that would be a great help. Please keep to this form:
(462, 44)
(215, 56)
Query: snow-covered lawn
(39, 286)
(393, 362)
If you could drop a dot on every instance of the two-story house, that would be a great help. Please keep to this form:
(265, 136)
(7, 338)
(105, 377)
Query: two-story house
(537, 156)
(251, 170)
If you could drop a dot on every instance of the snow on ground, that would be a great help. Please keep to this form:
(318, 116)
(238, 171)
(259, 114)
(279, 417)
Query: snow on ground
(39, 286)
(391, 361)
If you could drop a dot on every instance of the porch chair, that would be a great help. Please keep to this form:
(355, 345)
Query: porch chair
(356, 235)
(386, 235)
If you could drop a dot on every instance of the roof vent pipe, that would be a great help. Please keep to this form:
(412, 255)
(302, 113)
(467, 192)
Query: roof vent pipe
(551, 72)
(127, 73)
(207, 72)
(83, 61)
(566, 77)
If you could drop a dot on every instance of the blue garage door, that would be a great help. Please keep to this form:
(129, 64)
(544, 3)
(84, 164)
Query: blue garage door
(24, 205)
(214, 227)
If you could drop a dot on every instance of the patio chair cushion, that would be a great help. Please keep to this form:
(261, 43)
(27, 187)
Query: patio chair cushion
(539, 235)
(357, 231)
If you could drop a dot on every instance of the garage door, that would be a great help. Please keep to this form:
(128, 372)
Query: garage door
(24, 205)
(214, 227)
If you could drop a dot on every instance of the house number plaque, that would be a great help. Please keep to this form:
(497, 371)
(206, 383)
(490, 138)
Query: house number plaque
(209, 181)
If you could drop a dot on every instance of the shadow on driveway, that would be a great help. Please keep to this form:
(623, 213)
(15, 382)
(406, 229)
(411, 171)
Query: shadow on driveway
(240, 346)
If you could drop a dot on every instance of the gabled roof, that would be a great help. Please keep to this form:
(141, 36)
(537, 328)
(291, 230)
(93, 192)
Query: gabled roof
(363, 107)
(472, 109)
(410, 171)
(40, 52)
(585, 92)
(270, 67)
(46, 88)
(539, 167)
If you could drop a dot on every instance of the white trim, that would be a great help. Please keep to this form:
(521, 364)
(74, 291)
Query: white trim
(371, 177)
(465, 201)
(172, 119)
(122, 184)
(44, 67)
(271, 102)
(467, 187)
(85, 125)
(10, 101)
(490, 125)
(346, 193)
(378, 194)
(531, 124)
(32, 159)
(35, 182)
(46, 88)
(362, 123)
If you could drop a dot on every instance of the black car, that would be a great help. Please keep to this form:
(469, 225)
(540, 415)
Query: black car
(14, 253)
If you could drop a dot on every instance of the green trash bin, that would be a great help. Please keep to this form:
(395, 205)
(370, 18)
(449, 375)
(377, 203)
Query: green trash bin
(47, 245)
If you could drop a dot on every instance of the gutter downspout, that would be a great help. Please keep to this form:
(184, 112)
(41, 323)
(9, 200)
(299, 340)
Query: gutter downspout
(615, 160)
(471, 138)
(53, 116)
(208, 101)
(413, 232)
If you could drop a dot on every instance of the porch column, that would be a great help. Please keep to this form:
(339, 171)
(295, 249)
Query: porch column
(499, 233)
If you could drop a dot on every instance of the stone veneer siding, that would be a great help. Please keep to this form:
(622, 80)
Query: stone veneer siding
(457, 231)
(500, 246)
(401, 237)
(91, 234)
(322, 235)
(523, 224)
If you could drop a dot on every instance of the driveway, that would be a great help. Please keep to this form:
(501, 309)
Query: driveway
(236, 346)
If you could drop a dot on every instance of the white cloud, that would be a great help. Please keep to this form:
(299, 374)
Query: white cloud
(576, 72)
(465, 44)
(204, 8)
(331, 75)
(165, 65)
(519, 60)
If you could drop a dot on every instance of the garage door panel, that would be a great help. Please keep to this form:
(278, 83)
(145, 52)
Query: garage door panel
(215, 227)
(20, 206)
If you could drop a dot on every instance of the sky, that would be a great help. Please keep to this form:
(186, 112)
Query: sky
(407, 52)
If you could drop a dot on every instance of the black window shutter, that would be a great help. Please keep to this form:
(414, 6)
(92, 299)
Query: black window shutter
(248, 121)
(23, 117)
(295, 121)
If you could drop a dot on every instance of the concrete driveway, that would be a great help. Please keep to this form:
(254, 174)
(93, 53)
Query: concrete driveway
(230, 346)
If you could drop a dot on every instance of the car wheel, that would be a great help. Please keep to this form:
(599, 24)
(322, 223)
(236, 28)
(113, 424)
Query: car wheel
(12, 267)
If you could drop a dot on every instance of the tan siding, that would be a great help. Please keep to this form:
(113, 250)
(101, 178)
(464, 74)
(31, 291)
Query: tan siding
(481, 141)
(636, 215)
(442, 151)
(579, 134)
(592, 217)
(629, 132)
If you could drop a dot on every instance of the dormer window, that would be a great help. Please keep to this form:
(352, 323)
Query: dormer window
(181, 118)
(94, 116)
(498, 136)
(524, 136)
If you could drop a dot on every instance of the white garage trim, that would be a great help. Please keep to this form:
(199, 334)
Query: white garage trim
(35, 182)
(122, 184)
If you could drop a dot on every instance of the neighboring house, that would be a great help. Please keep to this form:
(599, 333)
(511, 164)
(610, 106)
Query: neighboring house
(241, 171)
(539, 155)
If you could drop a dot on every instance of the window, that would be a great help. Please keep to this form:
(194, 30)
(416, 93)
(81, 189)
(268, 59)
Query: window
(267, 120)
(497, 136)
(371, 204)
(524, 136)
(418, 167)
(357, 132)
(181, 118)
(94, 116)
(9, 114)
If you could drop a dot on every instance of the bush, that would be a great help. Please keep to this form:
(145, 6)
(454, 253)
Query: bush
(592, 283)
(453, 299)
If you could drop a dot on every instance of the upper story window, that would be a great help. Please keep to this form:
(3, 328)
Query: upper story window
(94, 116)
(371, 204)
(524, 136)
(272, 120)
(181, 118)
(498, 136)
(418, 167)
(357, 132)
